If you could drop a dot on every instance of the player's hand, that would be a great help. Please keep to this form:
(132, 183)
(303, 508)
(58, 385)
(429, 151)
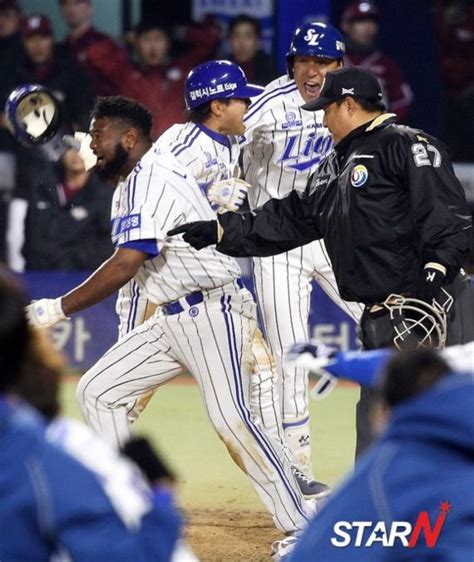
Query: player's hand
(431, 282)
(198, 234)
(228, 194)
(315, 357)
(311, 355)
(45, 313)
(81, 142)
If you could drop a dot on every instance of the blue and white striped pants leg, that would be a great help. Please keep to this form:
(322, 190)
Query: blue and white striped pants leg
(216, 347)
(108, 392)
(212, 341)
(283, 287)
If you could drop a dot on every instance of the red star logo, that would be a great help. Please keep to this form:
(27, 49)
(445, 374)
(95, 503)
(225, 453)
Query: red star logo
(445, 507)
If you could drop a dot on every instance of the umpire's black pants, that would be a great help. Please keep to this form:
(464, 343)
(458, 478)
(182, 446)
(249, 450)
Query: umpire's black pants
(375, 331)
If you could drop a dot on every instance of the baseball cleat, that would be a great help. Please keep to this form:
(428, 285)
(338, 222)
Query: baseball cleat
(282, 548)
(311, 489)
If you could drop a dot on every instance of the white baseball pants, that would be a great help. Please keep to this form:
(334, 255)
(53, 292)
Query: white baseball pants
(212, 341)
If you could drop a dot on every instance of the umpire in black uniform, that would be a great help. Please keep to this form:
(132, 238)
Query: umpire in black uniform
(386, 201)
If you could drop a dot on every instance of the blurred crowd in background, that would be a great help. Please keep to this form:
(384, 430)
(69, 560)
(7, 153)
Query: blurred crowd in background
(55, 214)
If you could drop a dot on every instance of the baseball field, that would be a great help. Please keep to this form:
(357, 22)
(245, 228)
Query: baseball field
(225, 519)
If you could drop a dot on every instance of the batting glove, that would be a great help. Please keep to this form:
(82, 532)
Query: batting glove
(81, 142)
(431, 282)
(199, 234)
(228, 195)
(45, 313)
(309, 355)
(315, 357)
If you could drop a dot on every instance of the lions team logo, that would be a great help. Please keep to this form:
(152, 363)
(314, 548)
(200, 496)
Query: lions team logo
(209, 160)
(291, 120)
(359, 175)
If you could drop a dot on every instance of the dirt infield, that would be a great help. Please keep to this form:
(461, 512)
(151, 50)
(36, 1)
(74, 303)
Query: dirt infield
(220, 535)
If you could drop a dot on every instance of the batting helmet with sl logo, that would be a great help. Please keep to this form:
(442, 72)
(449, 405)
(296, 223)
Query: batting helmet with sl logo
(217, 79)
(315, 39)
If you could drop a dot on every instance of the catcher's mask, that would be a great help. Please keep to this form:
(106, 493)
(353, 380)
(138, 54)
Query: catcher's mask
(32, 114)
(418, 323)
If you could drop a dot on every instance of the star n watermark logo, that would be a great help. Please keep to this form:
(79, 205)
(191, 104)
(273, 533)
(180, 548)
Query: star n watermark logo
(365, 534)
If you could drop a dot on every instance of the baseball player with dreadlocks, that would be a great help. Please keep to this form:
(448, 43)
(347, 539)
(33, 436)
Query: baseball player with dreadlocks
(282, 148)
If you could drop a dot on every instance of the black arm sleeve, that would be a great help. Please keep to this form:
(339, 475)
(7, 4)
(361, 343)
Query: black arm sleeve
(280, 225)
(438, 204)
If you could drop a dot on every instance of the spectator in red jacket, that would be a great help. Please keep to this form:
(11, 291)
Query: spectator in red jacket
(157, 79)
(83, 37)
(360, 24)
(44, 62)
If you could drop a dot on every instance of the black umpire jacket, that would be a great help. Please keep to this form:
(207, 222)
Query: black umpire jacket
(385, 200)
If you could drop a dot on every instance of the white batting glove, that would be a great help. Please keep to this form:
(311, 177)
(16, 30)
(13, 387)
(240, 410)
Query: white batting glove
(313, 356)
(45, 313)
(228, 195)
(81, 142)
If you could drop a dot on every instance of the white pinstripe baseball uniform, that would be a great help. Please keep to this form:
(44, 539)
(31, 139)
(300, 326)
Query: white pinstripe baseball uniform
(204, 324)
(209, 157)
(282, 147)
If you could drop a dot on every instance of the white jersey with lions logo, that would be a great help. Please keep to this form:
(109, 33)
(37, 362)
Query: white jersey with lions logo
(282, 147)
(283, 143)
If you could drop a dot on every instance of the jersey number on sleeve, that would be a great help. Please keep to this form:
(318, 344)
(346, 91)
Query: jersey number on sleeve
(421, 156)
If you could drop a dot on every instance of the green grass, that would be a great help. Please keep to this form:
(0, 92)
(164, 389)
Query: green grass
(176, 422)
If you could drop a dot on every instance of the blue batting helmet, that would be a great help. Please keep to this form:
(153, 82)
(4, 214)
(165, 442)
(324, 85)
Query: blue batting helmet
(315, 39)
(32, 114)
(217, 79)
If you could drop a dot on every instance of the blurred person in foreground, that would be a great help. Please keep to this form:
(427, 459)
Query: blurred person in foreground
(63, 492)
(244, 36)
(410, 496)
(360, 24)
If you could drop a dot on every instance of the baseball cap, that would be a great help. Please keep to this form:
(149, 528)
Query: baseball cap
(353, 81)
(9, 5)
(360, 11)
(36, 24)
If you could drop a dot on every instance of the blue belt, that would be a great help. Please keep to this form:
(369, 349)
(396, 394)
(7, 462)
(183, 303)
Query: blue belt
(176, 307)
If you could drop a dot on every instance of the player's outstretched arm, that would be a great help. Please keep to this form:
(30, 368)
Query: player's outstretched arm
(280, 225)
(362, 367)
(107, 279)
